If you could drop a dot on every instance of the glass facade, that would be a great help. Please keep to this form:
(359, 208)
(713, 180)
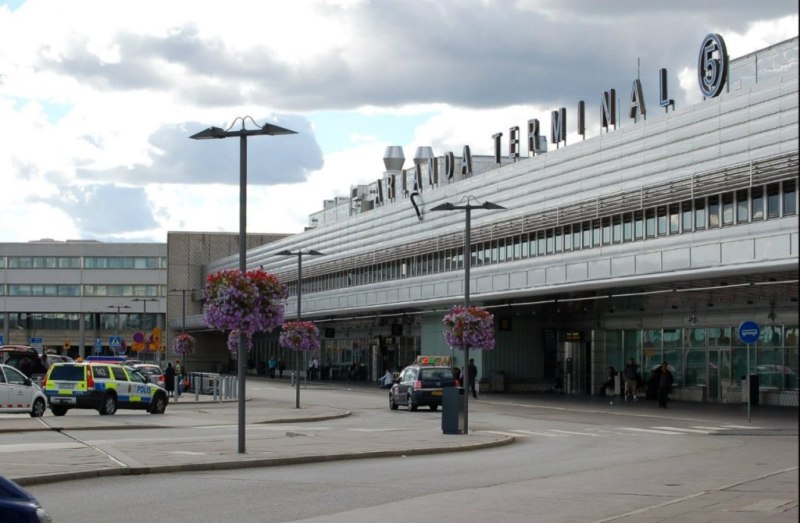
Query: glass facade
(710, 358)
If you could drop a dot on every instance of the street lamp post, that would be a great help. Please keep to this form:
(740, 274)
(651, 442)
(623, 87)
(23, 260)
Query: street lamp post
(144, 310)
(299, 254)
(467, 208)
(118, 307)
(243, 133)
(183, 317)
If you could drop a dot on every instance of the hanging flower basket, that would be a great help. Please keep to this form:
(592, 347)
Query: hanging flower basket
(472, 326)
(248, 303)
(299, 335)
(183, 343)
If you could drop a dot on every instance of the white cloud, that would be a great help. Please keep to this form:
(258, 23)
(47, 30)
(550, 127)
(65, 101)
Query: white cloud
(98, 98)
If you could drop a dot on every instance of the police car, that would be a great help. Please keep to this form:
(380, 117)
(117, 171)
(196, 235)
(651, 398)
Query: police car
(101, 384)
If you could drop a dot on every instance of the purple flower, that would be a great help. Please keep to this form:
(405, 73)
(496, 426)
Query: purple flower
(183, 343)
(473, 326)
(250, 303)
(299, 335)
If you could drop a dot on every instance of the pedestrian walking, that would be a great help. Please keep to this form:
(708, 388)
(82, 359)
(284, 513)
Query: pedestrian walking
(473, 377)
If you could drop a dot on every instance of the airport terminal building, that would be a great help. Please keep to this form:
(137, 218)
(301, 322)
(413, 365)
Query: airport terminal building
(651, 240)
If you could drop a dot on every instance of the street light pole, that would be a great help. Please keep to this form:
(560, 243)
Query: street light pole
(144, 311)
(183, 316)
(118, 307)
(467, 208)
(299, 254)
(243, 133)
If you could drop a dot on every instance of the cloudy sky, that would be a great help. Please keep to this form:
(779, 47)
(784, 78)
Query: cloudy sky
(98, 97)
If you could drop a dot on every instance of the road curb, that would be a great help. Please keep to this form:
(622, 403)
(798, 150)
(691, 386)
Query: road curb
(256, 463)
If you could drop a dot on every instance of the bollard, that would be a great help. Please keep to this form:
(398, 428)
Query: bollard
(235, 388)
(177, 386)
(214, 388)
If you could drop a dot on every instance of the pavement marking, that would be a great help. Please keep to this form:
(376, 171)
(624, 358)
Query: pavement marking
(703, 427)
(653, 431)
(764, 505)
(27, 447)
(501, 433)
(696, 431)
(371, 430)
(575, 433)
(747, 427)
(532, 433)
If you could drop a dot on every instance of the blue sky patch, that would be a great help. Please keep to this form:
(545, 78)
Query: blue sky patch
(340, 130)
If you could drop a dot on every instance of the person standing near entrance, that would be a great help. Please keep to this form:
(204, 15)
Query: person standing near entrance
(664, 383)
(631, 375)
(473, 377)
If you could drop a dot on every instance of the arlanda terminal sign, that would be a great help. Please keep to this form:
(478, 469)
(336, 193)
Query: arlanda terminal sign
(712, 72)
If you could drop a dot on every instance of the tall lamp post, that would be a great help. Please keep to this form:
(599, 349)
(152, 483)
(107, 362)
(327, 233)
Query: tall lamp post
(243, 133)
(144, 310)
(299, 254)
(183, 317)
(467, 208)
(118, 307)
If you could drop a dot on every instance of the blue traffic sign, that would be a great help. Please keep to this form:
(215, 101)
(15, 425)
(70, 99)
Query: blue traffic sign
(749, 332)
(2, 340)
(98, 346)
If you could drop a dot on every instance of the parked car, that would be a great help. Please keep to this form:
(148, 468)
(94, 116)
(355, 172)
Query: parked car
(57, 358)
(152, 372)
(20, 506)
(24, 358)
(102, 385)
(18, 393)
(421, 385)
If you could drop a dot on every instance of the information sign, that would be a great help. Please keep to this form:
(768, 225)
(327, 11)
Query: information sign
(98, 346)
(749, 332)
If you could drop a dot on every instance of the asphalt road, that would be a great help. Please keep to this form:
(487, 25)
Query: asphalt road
(570, 462)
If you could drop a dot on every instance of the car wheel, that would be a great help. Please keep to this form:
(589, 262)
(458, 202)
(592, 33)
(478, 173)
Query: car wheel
(434, 407)
(39, 406)
(58, 411)
(109, 406)
(159, 404)
(392, 404)
(412, 405)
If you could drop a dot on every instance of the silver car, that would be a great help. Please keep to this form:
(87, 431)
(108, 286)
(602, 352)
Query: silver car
(18, 393)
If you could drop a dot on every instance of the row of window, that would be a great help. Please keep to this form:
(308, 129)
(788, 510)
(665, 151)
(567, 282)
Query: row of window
(93, 321)
(89, 290)
(89, 262)
(727, 209)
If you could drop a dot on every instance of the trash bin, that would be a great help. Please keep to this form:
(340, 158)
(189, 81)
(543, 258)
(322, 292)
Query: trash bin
(753, 389)
(452, 410)
(498, 381)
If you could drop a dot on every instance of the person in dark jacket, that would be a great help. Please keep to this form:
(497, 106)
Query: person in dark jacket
(169, 379)
(473, 377)
(663, 379)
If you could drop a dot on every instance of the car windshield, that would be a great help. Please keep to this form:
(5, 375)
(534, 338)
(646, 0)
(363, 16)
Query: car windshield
(437, 374)
(66, 372)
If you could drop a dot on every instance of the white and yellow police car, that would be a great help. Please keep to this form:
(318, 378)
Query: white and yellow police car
(101, 384)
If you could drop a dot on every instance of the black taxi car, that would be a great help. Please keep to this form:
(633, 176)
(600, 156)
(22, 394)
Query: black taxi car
(101, 385)
(421, 385)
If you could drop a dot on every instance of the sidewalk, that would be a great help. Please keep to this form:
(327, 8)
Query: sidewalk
(65, 457)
